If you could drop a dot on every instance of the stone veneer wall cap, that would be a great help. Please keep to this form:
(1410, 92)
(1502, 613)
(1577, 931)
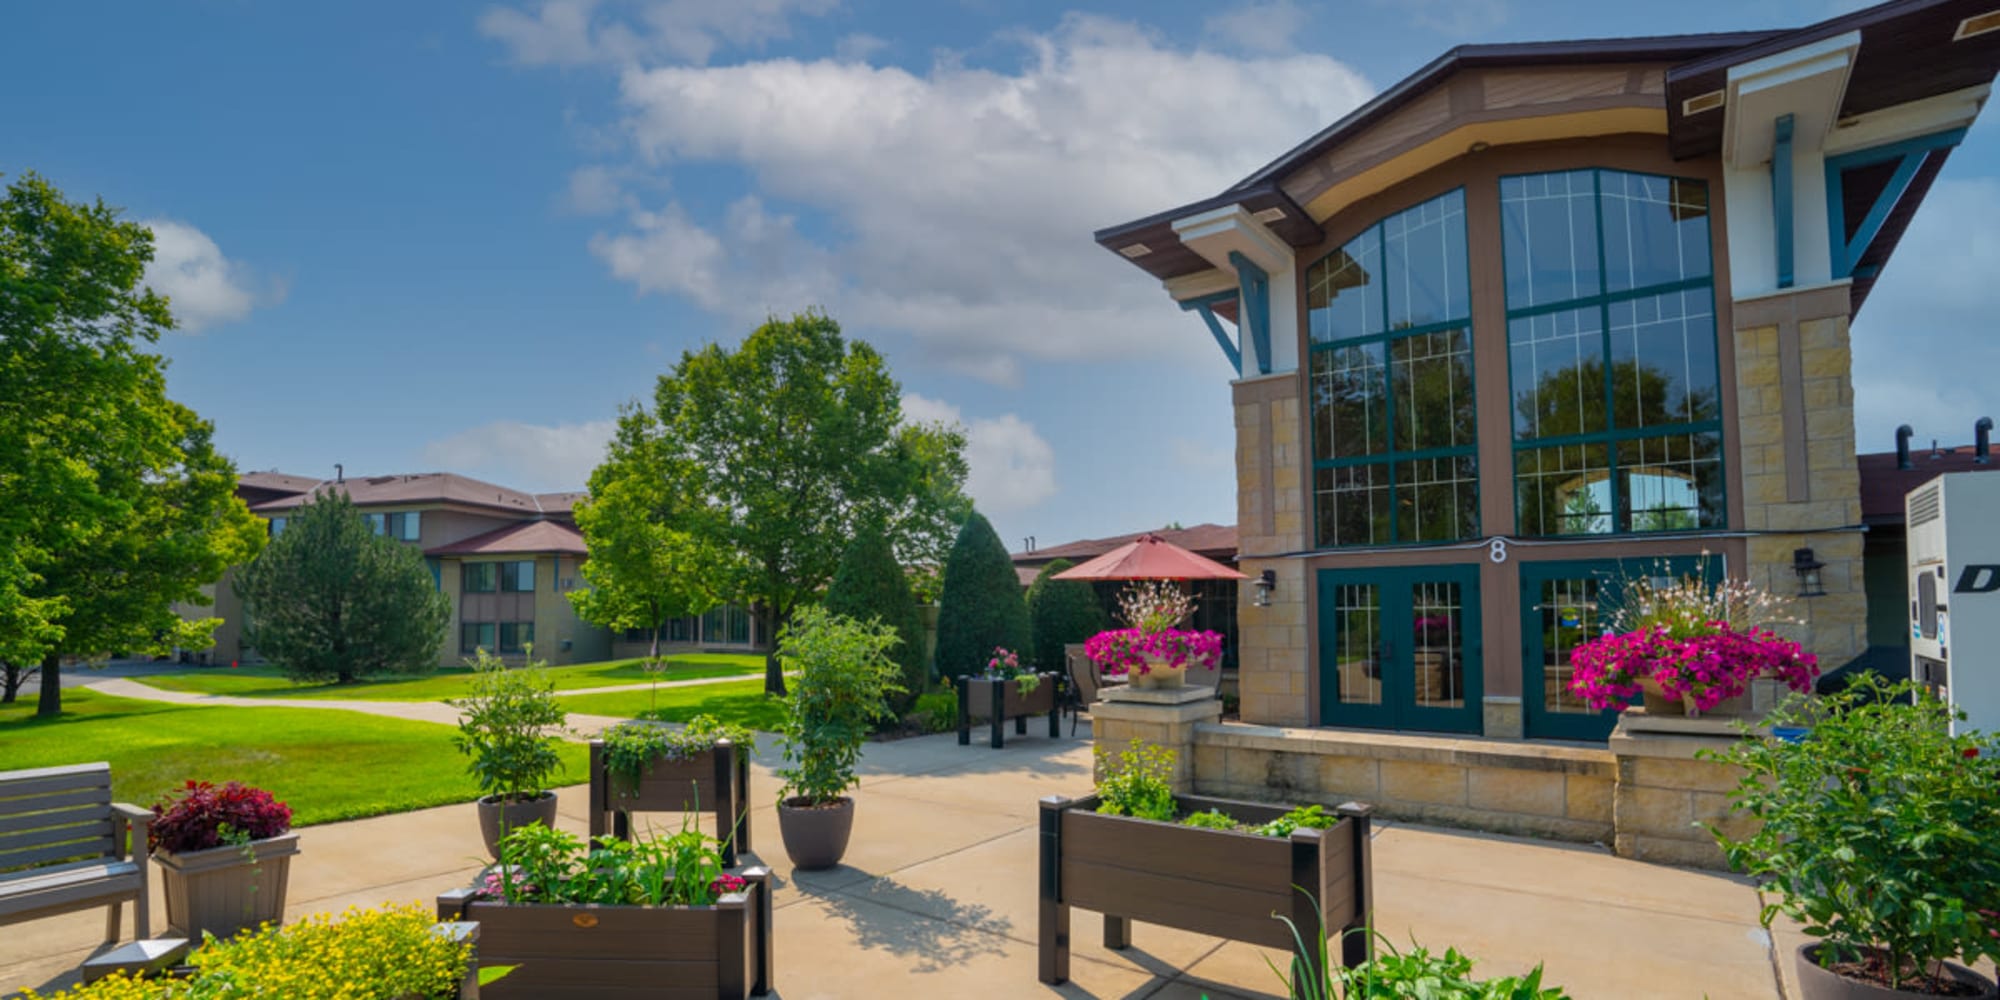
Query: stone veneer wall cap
(1251, 379)
(1669, 746)
(1794, 290)
(1459, 751)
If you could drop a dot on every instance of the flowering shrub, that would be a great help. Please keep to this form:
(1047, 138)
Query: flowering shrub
(1005, 663)
(1154, 605)
(1704, 668)
(1132, 650)
(202, 815)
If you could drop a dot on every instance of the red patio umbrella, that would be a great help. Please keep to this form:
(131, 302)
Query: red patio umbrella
(1150, 557)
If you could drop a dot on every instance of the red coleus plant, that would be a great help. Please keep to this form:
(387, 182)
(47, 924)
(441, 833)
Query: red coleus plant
(202, 815)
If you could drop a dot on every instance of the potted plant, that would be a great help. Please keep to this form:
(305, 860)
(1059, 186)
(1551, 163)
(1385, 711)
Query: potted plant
(509, 727)
(1006, 691)
(637, 767)
(225, 856)
(1211, 866)
(1877, 835)
(653, 917)
(1689, 649)
(1152, 649)
(843, 678)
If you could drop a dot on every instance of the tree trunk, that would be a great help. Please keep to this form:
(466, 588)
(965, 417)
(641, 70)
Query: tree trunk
(10, 682)
(50, 705)
(774, 674)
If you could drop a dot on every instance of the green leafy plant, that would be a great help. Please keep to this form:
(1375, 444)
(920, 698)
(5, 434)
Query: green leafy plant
(1299, 818)
(1213, 819)
(510, 726)
(542, 865)
(1061, 612)
(938, 711)
(1137, 782)
(872, 583)
(1876, 830)
(1392, 975)
(632, 748)
(843, 678)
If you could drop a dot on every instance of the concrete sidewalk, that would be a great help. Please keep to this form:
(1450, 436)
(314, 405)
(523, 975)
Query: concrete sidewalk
(938, 897)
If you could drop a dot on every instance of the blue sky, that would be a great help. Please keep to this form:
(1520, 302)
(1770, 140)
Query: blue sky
(408, 237)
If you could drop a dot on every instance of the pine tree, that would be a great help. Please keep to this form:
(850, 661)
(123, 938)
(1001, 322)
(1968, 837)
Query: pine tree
(1061, 612)
(870, 585)
(981, 606)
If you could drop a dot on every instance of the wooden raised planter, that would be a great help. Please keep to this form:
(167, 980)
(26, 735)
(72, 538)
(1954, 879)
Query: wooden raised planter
(573, 951)
(1216, 882)
(223, 890)
(715, 780)
(1001, 699)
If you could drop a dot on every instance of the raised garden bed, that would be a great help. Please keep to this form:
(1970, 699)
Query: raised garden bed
(1000, 699)
(576, 951)
(715, 780)
(1225, 883)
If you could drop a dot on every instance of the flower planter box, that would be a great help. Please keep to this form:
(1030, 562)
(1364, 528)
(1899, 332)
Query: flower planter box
(568, 951)
(1000, 700)
(226, 889)
(1216, 882)
(716, 780)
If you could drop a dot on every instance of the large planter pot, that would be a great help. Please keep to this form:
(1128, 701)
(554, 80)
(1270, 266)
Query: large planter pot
(1223, 883)
(1657, 703)
(560, 951)
(1160, 674)
(1816, 983)
(716, 780)
(226, 889)
(815, 836)
(497, 817)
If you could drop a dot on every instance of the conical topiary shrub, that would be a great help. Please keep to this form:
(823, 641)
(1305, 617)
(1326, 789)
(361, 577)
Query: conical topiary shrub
(1061, 612)
(871, 585)
(981, 606)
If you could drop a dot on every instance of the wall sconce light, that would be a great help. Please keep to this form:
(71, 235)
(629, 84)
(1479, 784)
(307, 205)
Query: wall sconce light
(1266, 582)
(1808, 567)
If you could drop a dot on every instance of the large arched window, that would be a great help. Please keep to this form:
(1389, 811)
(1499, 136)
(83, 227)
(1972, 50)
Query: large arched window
(1390, 323)
(1612, 353)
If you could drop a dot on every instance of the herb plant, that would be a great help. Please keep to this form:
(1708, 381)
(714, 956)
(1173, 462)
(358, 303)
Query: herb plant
(843, 679)
(1311, 817)
(1397, 975)
(510, 727)
(1213, 819)
(1138, 783)
(1876, 831)
(541, 865)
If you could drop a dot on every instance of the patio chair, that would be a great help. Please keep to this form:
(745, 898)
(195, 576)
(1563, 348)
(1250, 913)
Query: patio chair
(1083, 686)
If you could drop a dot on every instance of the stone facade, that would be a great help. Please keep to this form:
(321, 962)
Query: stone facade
(1667, 798)
(1274, 677)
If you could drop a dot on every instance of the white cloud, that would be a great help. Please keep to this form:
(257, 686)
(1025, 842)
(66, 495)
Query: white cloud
(858, 47)
(1011, 467)
(526, 456)
(580, 32)
(203, 287)
(962, 199)
(595, 190)
(1928, 323)
(1259, 27)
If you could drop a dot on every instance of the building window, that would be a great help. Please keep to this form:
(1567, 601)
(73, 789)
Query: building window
(517, 577)
(680, 629)
(638, 635)
(377, 523)
(277, 526)
(405, 526)
(516, 637)
(1612, 353)
(475, 636)
(1394, 438)
(480, 577)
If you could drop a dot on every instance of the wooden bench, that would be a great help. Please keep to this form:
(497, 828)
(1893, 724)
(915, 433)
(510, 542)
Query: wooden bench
(63, 846)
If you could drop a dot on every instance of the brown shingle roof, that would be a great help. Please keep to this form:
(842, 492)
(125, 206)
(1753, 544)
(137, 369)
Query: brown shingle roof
(276, 482)
(1883, 486)
(518, 539)
(1216, 541)
(425, 487)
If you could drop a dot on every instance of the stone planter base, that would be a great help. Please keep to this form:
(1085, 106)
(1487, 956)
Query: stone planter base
(227, 889)
(1816, 983)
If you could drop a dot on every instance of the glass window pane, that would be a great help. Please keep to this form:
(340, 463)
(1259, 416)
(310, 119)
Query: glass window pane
(739, 626)
(712, 626)
(1548, 232)
(1431, 376)
(1437, 499)
(1437, 647)
(1424, 263)
(479, 577)
(1557, 371)
(1564, 490)
(1353, 505)
(377, 523)
(1673, 482)
(680, 629)
(1357, 639)
(1343, 290)
(1569, 618)
(1663, 359)
(277, 526)
(1350, 412)
(1655, 230)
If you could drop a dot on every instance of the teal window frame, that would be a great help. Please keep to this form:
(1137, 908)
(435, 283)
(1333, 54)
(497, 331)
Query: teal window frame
(1612, 436)
(1393, 457)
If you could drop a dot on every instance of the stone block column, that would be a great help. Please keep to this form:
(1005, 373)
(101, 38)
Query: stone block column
(1272, 651)
(1162, 717)
(1666, 797)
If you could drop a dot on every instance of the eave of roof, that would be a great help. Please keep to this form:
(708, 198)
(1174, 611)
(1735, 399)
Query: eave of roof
(527, 537)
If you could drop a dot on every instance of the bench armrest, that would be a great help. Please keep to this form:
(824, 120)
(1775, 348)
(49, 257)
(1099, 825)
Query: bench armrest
(139, 821)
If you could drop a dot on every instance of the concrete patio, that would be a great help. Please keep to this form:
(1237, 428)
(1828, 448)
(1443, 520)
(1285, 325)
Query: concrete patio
(938, 897)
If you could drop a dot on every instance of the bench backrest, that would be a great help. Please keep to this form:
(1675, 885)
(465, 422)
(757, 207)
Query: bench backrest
(52, 815)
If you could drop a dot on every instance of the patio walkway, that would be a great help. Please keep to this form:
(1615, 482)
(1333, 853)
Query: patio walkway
(938, 897)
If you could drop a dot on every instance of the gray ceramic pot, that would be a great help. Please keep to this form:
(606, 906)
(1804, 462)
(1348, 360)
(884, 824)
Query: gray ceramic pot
(1816, 983)
(496, 818)
(815, 836)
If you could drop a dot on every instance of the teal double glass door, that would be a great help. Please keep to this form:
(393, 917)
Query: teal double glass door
(1400, 648)
(1565, 605)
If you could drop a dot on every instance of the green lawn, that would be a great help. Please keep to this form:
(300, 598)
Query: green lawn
(448, 682)
(742, 702)
(327, 764)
